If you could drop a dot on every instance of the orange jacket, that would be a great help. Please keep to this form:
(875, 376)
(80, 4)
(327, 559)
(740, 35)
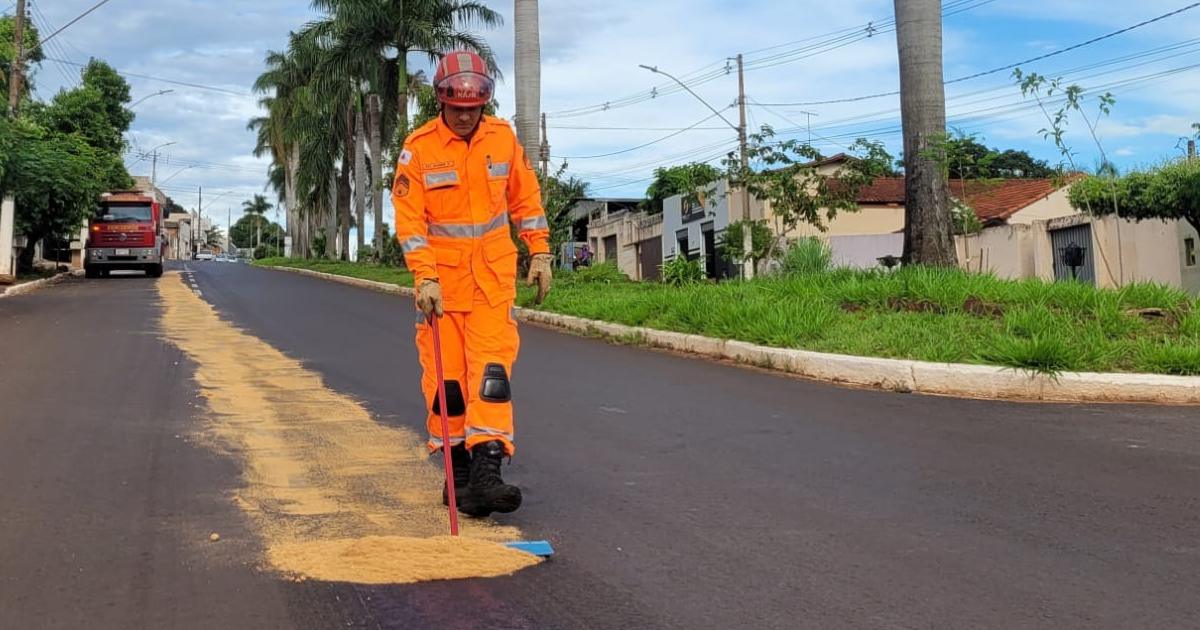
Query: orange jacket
(454, 204)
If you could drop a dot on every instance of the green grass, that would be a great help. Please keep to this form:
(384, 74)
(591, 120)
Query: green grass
(926, 314)
(916, 313)
(365, 271)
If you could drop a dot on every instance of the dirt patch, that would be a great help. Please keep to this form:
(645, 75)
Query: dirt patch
(901, 305)
(852, 307)
(333, 493)
(979, 308)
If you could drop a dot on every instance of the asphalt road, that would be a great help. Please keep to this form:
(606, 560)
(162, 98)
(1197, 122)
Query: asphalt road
(678, 493)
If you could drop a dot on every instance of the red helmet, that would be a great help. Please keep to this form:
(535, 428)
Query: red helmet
(461, 80)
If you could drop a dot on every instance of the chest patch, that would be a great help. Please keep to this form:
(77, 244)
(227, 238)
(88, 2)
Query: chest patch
(498, 170)
(433, 166)
(441, 178)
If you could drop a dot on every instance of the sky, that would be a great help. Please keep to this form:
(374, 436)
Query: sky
(799, 56)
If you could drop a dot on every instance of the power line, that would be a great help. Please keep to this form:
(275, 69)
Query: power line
(892, 113)
(1001, 68)
(996, 113)
(828, 42)
(641, 146)
(49, 37)
(604, 128)
(56, 48)
(171, 81)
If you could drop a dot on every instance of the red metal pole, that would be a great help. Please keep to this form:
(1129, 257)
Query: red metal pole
(441, 383)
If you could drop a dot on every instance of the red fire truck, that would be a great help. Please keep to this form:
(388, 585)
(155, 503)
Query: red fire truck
(125, 233)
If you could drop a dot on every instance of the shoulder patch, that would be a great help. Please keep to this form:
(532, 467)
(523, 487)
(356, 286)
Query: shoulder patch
(400, 189)
(405, 157)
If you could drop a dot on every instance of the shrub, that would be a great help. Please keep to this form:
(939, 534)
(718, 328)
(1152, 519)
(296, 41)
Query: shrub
(603, 273)
(680, 271)
(806, 257)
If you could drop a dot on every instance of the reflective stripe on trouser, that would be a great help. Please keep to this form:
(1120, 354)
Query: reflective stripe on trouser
(470, 342)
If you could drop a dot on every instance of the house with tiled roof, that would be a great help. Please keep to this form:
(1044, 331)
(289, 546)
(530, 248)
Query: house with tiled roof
(875, 230)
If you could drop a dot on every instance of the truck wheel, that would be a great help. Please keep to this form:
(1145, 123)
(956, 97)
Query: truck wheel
(154, 271)
(91, 272)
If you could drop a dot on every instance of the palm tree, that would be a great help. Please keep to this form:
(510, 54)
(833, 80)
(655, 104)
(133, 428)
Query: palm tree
(529, 76)
(283, 81)
(371, 40)
(257, 208)
(928, 223)
(340, 79)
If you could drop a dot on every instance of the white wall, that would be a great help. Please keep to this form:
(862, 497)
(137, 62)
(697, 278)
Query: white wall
(1125, 251)
(717, 212)
(1189, 275)
(863, 251)
(1004, 250)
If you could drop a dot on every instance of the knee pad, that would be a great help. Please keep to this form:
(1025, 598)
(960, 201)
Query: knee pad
(495, 387)
(456, 405)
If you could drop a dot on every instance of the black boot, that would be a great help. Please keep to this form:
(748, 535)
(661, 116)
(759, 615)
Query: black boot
(460, 460)
(487, 492)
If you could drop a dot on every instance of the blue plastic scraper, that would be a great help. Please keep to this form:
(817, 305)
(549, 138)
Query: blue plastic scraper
(536, 547)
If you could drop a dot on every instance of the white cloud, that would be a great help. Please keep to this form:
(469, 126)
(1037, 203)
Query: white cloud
(591, 51)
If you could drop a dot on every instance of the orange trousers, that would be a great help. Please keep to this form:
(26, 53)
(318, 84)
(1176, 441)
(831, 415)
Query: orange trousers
(478, 350)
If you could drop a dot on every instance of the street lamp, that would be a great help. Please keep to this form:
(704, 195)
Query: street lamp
(154, 163)
(747, 238)
(139, 101)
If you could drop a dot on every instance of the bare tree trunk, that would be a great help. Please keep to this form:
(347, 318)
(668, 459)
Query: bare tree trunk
(360, 179)
(295, 224)
(375, 108)
(330, 214)
(928, 225)
(528, 77)
(402, 106)
(343, 189)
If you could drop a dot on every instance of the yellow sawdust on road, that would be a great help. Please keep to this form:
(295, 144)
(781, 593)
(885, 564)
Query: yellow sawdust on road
(336, 495)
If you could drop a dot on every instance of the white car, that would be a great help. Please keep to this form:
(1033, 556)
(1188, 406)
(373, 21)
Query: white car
(204, 256)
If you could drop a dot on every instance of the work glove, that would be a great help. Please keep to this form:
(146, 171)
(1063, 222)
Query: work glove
(429, 298)
(539, 273)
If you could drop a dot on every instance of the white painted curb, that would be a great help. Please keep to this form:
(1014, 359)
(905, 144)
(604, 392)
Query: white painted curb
(30, 287)
(946, 379)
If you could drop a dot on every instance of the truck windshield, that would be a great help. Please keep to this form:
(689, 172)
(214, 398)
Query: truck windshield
(125, 213)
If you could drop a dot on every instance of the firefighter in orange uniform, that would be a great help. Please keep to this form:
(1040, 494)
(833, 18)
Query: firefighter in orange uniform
(461, 181)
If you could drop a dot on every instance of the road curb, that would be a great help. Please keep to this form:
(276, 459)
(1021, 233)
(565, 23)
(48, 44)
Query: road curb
(30, 287)
(897, 375)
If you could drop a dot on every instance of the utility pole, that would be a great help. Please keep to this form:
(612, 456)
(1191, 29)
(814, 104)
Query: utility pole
(199, 215)
(545, 148)
(747, 236)
(14, 81)
(747, 241)
(1191, 150)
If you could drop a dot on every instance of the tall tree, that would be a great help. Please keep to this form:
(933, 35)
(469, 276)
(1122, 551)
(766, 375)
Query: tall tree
(257, 208)
(928, 224)
(360, 177)
(529, 77)
(684, 179)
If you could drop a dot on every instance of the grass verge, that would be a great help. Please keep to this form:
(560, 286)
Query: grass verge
(941, 315)
(365, 271)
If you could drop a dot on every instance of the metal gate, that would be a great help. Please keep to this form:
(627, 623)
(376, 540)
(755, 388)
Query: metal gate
(1073, 245)
(650, 258)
